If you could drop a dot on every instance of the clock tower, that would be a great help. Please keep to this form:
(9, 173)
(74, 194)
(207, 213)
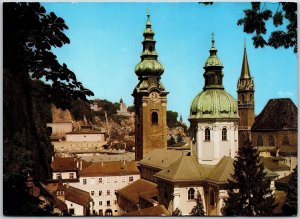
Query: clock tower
(150, 99)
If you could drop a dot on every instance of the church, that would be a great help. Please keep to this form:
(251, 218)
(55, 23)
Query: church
(171, 179)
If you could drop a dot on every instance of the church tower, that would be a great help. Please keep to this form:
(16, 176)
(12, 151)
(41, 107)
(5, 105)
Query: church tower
(150, 99)
(245, 91)
(213, 116)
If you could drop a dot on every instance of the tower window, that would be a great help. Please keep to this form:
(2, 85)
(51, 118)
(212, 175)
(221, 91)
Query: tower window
(224, 134)
(271, 140)
(154, 118)
(260, 141)
(207, 134)
(150, 48)
(191, 194)
(243, 97)
(285, 140)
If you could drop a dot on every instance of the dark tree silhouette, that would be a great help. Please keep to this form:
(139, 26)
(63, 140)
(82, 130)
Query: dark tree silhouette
(290, 207)
(28, 35)
(172, 119)
(255, 20)
(171, 141)
(249, 192)
(177, 212)
(198, 209)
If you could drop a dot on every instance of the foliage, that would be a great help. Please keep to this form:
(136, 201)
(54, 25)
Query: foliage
(249, 192)
(118, 118)
(131, 109)
(290, 206)
(198, 210)
(28, 35)
(172, 119)
(171, 141)
(255, 22)
(177, 212)
(81, 109)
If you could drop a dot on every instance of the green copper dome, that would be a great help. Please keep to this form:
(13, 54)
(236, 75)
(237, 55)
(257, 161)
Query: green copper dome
(213, 104)
(149, 67)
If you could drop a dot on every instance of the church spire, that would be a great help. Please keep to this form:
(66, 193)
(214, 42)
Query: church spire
(149, 64)
(245, 72)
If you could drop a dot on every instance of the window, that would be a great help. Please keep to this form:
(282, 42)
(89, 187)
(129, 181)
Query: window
(207, 134)
(84, 181)
(58, 175)
(100, 180)
(92, 193)
(150, 48)
(154, 118)
(108, 180)
(260, 141)
(224, 134)
(93, 203)
(243, 97)
(107, 203)
(131, 179)
(71, 211)
(100, 193)
(285, 140)
(101, 212)
(271, 140)
(71, 175)
(100, 203)
(115, 192)
(212, 197)
(58, 193)
(115, 179)
(108, 192)
(191, 194)
(123, 178)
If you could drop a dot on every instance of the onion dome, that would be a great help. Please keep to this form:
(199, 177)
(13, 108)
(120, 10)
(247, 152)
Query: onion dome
(213, 102)
(149, 66)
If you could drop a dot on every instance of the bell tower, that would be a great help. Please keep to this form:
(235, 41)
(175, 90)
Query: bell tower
(245, 91)
(150, 99)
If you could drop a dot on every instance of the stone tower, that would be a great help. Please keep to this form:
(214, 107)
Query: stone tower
(214, 116)
(149, 99)
(245, 91)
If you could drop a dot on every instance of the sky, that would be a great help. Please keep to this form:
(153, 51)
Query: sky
(106, 46)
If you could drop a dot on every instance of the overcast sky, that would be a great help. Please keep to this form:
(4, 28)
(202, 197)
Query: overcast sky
(106, 45)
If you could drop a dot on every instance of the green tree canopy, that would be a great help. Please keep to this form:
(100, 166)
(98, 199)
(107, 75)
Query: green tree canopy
(249, 192)
(198, 209)
(172, 119)
(290, 207)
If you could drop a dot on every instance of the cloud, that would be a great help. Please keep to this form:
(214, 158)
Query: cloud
(285, 93)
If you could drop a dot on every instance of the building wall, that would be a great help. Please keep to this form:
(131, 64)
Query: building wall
(78, 209)
(277, 135)
(84, 137)
(111, 183)
(64, 175)
(61, 128)
(211, 152)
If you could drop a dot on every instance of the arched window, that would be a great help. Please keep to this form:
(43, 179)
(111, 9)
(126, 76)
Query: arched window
(260, 141)
(191, 194)
(150, 48)
(212, 197)
(224, 134)
(285, 140)
(271, 140)
(207, 134)
(154, 118)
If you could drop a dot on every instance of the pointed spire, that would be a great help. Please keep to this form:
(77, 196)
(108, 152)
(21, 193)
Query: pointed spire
(245, 72)
(148, 24)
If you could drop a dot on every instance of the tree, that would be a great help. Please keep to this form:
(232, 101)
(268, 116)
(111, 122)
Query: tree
(171, 141)
(198, 209)
(179, 138)
(177, 212)
(28, 35)
(172, 119)
(249, 192)
(290, 206)
(255, 22)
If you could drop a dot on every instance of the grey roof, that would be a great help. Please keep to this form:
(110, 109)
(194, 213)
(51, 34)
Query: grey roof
(161, 158)
(185, 169)
(222, 171)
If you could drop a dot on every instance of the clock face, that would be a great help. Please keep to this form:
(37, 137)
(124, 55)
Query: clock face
(154, 96)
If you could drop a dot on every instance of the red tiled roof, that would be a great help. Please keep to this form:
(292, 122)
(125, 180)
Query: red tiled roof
(158, 210)
(64, 164)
